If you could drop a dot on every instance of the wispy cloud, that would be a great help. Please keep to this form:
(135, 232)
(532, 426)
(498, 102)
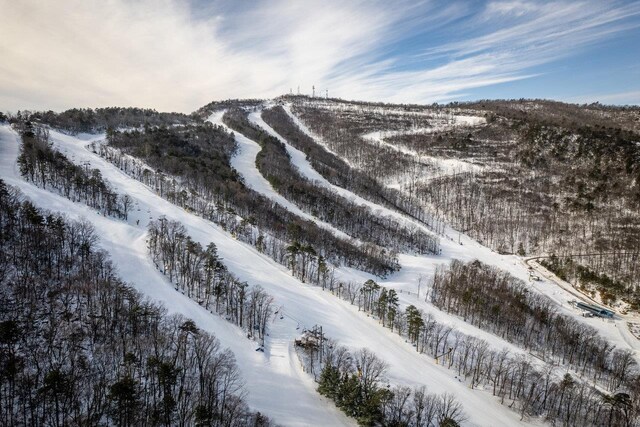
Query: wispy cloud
(174, 55)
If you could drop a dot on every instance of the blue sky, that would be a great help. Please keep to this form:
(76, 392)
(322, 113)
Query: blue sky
(179, 55)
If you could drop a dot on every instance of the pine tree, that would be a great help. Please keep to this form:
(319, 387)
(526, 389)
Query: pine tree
(414, 323)
(383, 301)
(329, 384)
(392, 307)
(124, 395)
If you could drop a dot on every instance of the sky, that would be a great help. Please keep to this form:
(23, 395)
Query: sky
(179, 55)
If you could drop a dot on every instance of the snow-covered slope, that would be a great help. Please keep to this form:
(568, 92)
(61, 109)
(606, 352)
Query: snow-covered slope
(244, 161)
(265, 373)
(276, 384)
(443, 166)
(414, 268)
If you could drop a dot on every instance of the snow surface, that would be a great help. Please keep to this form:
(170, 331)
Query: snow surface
(244, 161)
(317, 138)
(277, 386)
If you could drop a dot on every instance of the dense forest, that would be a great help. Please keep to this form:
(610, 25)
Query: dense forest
(78, 120)
(46, 167)
(80, 347)
(560, 113)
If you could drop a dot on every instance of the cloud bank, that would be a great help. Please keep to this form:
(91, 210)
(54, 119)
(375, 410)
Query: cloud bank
(176, 55)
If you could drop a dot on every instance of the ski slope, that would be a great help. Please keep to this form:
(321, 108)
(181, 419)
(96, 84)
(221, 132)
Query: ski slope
(276, 384)
(265, 374)
(412, 266)
(420, 268)
(437, 123)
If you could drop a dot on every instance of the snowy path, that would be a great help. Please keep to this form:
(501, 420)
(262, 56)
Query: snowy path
(277, 385)
(244, 161)
(444, 166)
(317, 138)
(414, 267)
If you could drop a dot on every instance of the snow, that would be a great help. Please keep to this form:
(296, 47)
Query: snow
(275, 379)
(412, 266)
(317, 138)
(244, 161)
(454, 245)
(298, 158)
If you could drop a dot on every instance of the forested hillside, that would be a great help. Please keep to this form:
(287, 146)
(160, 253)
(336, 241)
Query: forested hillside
(78, 120)
(529, 178)
(199, 156)
(80, 347)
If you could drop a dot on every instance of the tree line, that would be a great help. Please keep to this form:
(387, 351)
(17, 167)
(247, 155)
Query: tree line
(200, 274)
(46, 167)
(332, 167)
(587, 279)
(570, 116)
(501, 304)
(549, 177)
(558, 190)
(341, 129)
(524, 386)
(355, 382)
(88, 120)
(80, 347)
(358, 221)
